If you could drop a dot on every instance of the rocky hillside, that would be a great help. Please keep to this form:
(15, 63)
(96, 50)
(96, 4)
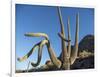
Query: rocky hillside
(86, 54)
(87, 43)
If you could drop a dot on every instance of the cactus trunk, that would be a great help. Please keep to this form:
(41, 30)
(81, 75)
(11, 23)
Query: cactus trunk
(64, 48)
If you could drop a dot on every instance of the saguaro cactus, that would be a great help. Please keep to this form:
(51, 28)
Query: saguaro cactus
(68, 56)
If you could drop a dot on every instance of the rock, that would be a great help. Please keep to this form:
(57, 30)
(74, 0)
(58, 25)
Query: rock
(83, 63)
(87, 43)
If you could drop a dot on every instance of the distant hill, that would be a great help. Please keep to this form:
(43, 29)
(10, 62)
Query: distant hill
(87, 43)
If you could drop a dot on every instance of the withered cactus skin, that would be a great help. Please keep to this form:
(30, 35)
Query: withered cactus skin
(68, 56)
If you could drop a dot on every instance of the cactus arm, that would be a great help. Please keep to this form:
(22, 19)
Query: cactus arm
(64, 49)
(75, 49)
(37, 45)
(61, 21)
(40, 45)
(37, 35)
(28, 54)
(52, 55)
(62, 37)
(67, 66)
(43, 42)
(69, 38)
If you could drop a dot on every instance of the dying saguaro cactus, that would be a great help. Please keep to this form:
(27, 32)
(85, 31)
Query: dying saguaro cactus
(68, 56)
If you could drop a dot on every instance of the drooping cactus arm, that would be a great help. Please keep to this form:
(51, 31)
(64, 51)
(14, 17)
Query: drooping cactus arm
(62, 37)
(35, 46)
(40, 45)
(75, 49)
(28, 54)
(53, 57)
(37, 35)
(43, 42)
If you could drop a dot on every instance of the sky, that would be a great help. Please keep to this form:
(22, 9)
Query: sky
(36, 18)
